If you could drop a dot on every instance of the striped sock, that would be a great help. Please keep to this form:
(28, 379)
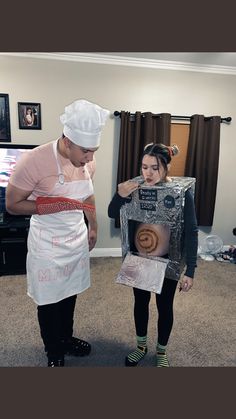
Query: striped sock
(134, 357)
(162, 360)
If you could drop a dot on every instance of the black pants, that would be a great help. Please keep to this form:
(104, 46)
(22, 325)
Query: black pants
(56, 324)
(164, 302)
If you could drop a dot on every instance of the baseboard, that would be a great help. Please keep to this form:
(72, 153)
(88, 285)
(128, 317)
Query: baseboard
(106, 252)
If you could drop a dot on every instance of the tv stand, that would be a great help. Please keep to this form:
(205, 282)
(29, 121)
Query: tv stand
(13, 246)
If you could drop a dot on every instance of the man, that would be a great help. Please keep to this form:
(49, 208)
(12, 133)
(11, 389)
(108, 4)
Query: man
(53, 183)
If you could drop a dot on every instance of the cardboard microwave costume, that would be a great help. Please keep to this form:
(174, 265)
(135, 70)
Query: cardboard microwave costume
(158, 215)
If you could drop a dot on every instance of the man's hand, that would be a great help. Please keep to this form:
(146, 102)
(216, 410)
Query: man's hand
(92, 238)
(51, 205)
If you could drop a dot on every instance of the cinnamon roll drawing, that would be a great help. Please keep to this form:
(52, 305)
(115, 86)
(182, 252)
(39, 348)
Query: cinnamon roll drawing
(152, 239)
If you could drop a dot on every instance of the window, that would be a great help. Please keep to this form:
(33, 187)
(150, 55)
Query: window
(179, 135)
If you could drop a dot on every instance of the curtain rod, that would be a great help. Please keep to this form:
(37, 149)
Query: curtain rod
(181, 118)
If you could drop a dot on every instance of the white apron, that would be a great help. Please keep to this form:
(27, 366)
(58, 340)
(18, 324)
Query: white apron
(58, 252)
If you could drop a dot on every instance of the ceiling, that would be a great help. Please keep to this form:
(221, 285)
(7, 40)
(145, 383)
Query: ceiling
(205, 58)
(213, 62)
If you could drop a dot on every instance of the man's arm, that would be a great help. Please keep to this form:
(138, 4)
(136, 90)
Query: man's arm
(17, 203)
(92, 222)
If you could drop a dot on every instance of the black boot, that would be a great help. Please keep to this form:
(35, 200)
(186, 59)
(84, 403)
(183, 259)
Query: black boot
(76, 347)
(55, 361)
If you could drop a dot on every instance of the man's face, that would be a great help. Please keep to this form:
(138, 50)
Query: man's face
(79, 156)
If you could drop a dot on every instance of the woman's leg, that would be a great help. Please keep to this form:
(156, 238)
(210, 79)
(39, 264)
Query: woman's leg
(141, 316)
(165, 319)
(141, 311)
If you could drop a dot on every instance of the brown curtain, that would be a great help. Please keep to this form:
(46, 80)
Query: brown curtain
(202, 163)
(136, 131)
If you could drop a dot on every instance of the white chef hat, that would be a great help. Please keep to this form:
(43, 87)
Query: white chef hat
(83, 122)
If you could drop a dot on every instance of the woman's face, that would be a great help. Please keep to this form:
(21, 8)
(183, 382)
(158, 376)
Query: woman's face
(152, 170)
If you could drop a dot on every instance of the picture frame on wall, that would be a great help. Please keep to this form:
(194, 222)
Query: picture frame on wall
(5, 126)
(29, 115)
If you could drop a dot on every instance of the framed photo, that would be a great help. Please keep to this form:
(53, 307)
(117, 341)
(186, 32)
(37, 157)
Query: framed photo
(29, 115)
(5, 128)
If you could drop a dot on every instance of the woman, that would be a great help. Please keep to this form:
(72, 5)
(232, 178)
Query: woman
(29, 117)
(155, 166)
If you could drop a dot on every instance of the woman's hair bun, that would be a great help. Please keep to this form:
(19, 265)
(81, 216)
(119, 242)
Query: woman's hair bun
(174, 150)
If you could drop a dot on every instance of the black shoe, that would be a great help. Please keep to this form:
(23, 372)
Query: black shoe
(55, 362)
(77, 347)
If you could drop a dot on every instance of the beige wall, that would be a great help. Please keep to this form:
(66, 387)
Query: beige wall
(55, 83)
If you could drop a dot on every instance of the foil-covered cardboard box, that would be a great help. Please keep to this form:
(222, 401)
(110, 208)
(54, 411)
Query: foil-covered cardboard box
(162, 205)
(143, 273)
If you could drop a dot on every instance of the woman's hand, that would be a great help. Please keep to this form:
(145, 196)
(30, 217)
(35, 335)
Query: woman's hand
(126, 188)
(185, 284)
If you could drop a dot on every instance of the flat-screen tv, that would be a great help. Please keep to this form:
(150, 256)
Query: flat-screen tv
(9, 156)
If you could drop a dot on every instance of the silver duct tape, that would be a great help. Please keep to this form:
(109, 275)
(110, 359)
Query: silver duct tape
(159, 204)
